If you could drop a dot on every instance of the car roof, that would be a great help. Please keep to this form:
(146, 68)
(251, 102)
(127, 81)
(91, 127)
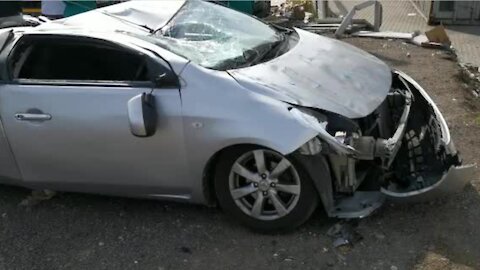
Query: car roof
(117, 36)
(117, 23)
(128, 16)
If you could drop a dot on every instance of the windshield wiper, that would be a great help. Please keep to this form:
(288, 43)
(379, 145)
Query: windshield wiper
(282, 29)
(273, 47)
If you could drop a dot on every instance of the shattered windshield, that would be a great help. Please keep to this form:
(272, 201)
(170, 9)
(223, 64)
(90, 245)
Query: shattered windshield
(217, 37)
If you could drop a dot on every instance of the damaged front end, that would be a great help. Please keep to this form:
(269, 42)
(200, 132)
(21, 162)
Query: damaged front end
(402, 151)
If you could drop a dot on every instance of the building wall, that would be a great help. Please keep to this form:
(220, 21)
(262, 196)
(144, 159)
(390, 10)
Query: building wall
(450, 12)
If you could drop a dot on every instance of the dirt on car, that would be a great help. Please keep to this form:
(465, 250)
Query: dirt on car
(75, 231)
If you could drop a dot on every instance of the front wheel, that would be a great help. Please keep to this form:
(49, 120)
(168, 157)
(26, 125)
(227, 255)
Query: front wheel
(264, 189)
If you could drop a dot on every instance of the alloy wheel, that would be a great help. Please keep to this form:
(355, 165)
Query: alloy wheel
(264, 184)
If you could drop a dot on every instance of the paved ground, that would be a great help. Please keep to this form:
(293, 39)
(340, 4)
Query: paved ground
(74, 231)
(466, 40)
(401, 16)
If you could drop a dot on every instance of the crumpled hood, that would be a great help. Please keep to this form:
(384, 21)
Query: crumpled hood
(322, 73)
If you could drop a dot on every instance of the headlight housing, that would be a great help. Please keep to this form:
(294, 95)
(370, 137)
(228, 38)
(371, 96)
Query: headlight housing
(311, 148)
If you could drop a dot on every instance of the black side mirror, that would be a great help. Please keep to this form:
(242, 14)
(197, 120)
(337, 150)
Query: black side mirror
(160, 79)
(142, 115)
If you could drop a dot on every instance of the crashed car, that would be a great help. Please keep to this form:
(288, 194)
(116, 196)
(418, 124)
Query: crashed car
(192, 101)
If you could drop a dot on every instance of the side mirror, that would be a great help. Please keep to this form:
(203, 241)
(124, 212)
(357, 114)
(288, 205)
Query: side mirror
(142, 115)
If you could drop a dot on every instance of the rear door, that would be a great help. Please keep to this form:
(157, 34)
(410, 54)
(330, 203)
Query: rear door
(65, 114)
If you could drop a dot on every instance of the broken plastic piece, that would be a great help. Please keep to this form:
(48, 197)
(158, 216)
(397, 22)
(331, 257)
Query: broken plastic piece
(344, 234)
(38, 196)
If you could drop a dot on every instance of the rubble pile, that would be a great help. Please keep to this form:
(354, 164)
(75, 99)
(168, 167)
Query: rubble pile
(470, 75)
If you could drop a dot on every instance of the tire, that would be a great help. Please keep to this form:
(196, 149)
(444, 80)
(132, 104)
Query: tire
(293, 187)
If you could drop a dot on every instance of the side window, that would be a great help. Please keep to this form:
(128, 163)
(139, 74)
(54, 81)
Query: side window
(68, 59)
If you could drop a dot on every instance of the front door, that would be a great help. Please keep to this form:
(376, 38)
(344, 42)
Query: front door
(66, 118)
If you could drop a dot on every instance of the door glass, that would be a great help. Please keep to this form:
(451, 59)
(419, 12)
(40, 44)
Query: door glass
(446, 5)
(54, 59)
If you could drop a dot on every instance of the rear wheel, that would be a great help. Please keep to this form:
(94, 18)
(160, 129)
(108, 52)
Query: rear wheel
(264, 189)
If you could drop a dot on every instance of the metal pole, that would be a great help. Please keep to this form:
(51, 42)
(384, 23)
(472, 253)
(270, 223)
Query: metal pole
(322, 6)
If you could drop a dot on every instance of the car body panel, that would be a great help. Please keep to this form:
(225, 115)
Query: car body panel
(446, 138)
(322, 73)
(453, 181)
(8, 168)
(71, 152)
(88, 140)
(211, 102)
(124, 16)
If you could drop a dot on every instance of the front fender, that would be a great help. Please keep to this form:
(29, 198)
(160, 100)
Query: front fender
(218, 113)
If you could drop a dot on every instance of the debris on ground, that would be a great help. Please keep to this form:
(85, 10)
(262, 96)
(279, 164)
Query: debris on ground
(298, 10)
(386, 34)
(438, 35)
(423, 41)
(303, 14)
(186, 250)
(434, 38)
(300, 13)
(330, 25)
(283, 255)
(470, 75)
(37, 196)
(378, 235)
(344, 234)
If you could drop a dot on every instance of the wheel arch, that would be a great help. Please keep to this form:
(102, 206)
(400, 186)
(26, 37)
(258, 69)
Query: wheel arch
(317, 168)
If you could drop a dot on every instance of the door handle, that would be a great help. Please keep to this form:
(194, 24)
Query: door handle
(32, 116)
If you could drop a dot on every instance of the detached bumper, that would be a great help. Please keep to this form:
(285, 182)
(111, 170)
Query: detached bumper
(453, 177)
(418, 162)
(453, 181)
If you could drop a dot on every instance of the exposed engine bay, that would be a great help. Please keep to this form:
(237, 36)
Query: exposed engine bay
(400, 144)
(402, 149)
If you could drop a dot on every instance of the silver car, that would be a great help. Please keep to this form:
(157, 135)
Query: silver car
(191, 101)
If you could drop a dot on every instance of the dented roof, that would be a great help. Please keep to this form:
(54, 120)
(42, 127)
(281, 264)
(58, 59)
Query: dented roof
(126, 16)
